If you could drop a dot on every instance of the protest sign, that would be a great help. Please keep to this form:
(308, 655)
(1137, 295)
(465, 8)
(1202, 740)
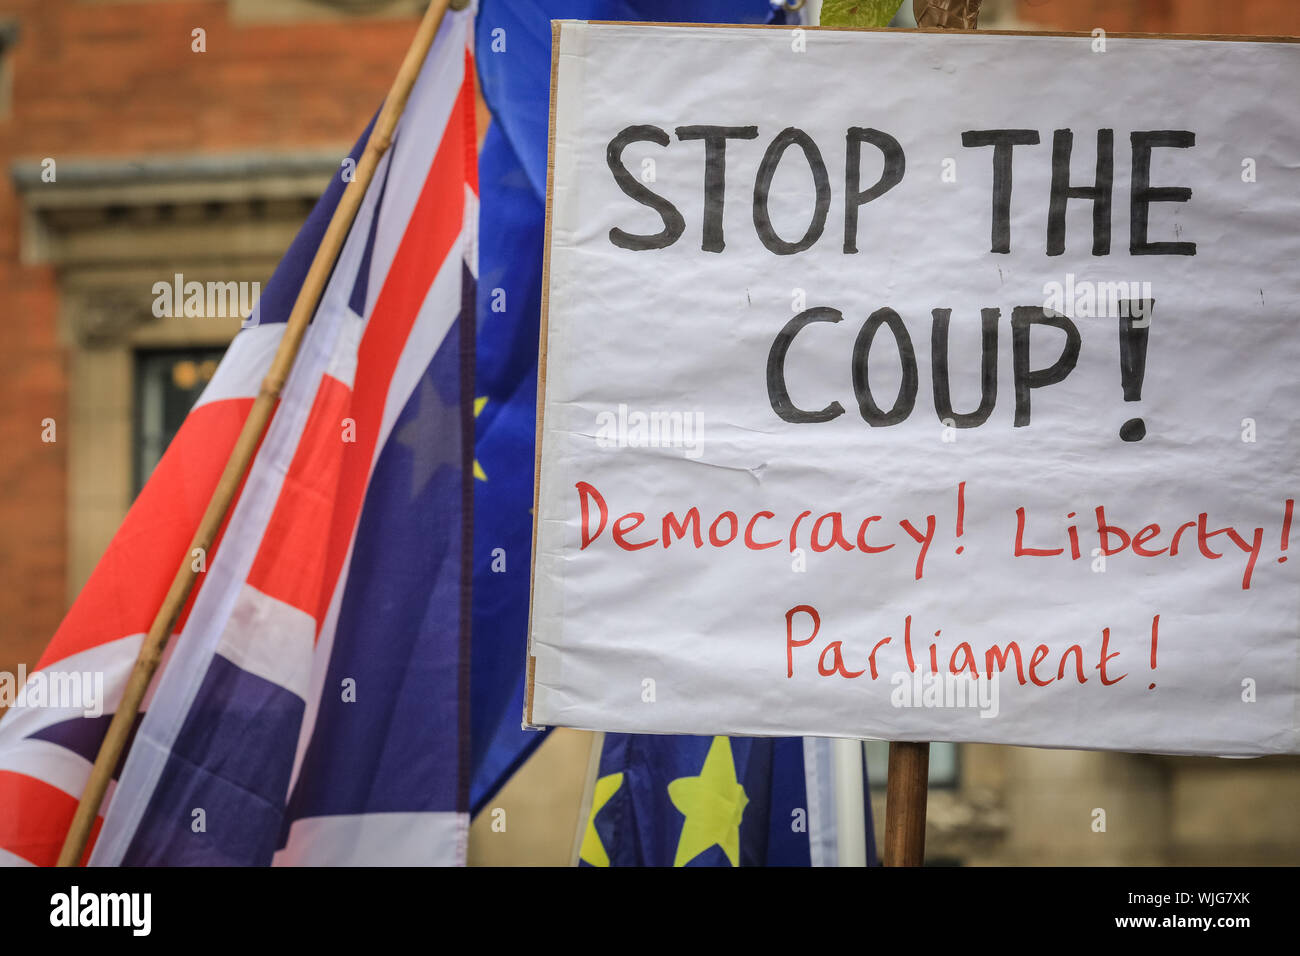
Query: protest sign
(920, 386)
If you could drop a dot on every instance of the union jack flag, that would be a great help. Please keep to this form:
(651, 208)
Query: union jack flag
(313, 704)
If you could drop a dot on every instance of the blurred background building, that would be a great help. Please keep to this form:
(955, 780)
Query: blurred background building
(146, 139)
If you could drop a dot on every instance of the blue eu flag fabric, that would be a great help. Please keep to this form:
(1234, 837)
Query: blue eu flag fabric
(697, 801)
(717, 801)
(513, 52)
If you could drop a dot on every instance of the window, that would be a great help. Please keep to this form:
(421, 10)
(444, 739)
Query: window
(167, 384)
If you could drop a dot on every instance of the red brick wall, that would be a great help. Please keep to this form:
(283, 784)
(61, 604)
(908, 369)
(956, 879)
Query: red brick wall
(120, 79)
(1250, 17)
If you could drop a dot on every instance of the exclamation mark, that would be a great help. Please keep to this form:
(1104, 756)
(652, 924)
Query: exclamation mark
(1155, 637)
(961, 514)
(1134, 324)
(1286, 528)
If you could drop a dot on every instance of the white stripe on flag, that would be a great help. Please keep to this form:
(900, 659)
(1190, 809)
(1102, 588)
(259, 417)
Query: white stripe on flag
(48, 762)
(112, 660)
(271, 639)
(471, 231)
(819, 782)
(244, 365)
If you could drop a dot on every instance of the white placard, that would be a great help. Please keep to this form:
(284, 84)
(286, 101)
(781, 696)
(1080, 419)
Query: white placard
(765, 506)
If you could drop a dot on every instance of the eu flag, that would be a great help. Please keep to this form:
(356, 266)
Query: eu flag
(698, 801)
(513, 52)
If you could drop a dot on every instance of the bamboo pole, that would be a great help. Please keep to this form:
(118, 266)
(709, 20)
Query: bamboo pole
(241, 456)
(907, 785)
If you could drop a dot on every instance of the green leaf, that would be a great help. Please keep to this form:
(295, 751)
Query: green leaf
(859, 13)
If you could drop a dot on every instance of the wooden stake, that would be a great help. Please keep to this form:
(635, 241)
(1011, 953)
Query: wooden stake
(905, 799)
(381, 137)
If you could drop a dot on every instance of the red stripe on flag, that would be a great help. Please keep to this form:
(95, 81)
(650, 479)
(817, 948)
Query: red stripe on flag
(435, 224)
(36, 819)
(130, 581)
(291, 558)
(470, 117)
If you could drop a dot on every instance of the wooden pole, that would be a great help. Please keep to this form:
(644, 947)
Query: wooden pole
(907, 786)
(146, 664)
(905, 799)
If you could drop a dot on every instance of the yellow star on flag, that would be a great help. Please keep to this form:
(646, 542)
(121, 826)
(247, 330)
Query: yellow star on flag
(712, 803)
(479, 473)
(593, 851)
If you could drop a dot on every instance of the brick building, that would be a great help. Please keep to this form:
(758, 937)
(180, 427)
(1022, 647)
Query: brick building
(170, 150)
(145, 138)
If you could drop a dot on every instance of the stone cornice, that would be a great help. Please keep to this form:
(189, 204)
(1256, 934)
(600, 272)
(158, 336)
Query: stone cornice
(161, 209)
